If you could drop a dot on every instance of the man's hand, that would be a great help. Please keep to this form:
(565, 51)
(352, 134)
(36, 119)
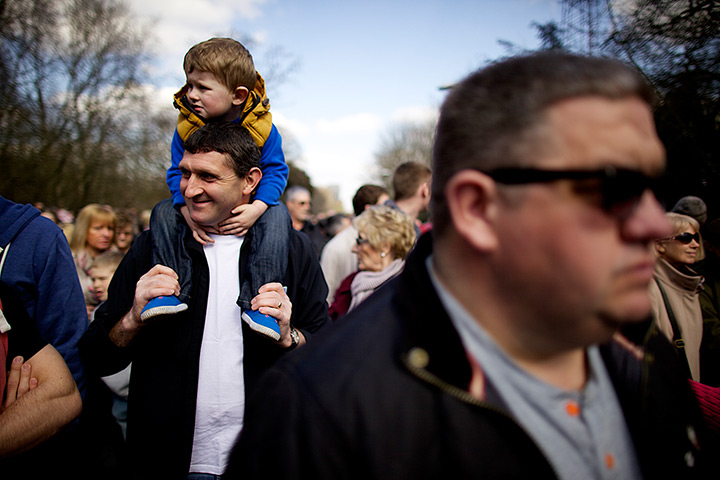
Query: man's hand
(37, 408)
(200, 234)
(19, 381)
(159, 281)
(272, 300)
(244, 217)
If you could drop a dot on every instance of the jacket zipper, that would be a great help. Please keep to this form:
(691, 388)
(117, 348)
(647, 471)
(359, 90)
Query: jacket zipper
(465, 397)
(450, 389)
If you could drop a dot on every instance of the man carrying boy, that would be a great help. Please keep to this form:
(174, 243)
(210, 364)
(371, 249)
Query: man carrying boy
(192, 371)
(223, 86)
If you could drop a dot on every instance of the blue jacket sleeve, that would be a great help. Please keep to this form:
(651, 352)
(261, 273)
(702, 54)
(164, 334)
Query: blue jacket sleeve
(60, 309)
(173, 176)
(274, 169)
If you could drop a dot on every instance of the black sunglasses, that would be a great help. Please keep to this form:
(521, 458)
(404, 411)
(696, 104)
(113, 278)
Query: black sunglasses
(621, 189)
(360, 241)
(686, 238)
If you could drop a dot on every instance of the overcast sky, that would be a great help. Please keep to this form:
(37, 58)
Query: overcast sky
(361, 66)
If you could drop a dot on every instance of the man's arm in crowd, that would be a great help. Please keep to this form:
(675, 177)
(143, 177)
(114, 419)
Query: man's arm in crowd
(159, 281)
(30, 416)
(106, 347)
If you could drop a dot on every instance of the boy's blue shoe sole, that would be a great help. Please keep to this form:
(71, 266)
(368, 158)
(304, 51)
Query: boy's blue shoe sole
(162, 306)
(261, 323)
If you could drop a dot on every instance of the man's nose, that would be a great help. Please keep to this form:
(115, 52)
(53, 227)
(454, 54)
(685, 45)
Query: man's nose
(648, 222)
(192, 187)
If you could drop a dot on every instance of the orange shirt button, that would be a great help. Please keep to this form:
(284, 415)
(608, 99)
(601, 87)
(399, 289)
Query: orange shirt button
(572, 408)
(609, 461)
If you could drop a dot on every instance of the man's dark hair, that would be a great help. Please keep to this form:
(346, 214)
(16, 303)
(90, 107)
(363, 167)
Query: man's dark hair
(334, 224)
(230, 139)
(496, 116)
(407, 177)
(366, 195)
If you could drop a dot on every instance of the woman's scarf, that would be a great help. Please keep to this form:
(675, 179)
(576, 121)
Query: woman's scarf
(365, 283)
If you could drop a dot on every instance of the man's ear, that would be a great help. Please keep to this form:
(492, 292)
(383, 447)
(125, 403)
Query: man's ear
(252, 179)
(472, 202)
(240, 95)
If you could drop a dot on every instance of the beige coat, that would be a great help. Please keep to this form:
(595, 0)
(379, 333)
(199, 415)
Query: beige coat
(681, 290)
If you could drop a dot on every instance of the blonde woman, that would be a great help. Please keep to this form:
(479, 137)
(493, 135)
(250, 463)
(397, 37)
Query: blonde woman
(674, 294)
(93, 234)
(385, 237)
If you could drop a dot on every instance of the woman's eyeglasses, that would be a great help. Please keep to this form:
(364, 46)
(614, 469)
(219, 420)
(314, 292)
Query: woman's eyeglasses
(361, 241)
(686, 238)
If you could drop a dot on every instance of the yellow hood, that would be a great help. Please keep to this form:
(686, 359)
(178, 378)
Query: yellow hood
(256, 116)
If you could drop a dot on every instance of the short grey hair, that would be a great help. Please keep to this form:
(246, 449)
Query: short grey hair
(293, 192)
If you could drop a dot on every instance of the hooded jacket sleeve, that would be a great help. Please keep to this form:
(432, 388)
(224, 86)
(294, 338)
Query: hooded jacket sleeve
(274, 169)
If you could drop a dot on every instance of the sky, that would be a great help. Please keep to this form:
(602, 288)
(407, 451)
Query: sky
(358, 68)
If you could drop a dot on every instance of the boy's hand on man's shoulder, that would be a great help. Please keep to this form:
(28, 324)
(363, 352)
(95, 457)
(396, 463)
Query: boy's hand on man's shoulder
(244, 218)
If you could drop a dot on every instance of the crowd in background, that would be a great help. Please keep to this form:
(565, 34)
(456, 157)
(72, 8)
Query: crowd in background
(99, 230)
(341, 261)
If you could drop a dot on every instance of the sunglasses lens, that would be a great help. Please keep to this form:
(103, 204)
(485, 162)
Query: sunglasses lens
(686, 238)
(622, 191)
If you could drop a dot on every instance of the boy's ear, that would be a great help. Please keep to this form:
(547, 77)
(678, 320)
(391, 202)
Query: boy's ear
(240, 95)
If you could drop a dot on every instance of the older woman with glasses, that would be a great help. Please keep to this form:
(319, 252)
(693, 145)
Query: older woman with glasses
(385, 237)
(674, 294)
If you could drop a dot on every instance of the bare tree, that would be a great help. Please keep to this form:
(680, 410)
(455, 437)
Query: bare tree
(676, 45)
(404, 142)
(74, 121)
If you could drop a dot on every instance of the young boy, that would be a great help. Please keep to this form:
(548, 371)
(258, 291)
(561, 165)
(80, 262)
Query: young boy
(101, 274)
(223, 85)
(102, 271)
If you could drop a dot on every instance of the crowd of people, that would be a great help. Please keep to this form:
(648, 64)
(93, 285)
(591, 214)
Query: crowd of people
(551, 321)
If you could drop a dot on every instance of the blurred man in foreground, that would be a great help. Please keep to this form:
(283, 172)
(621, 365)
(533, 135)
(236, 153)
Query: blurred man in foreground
(496, 353)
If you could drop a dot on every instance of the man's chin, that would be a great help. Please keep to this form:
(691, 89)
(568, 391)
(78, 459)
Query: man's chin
(198, 219)
(629, 315)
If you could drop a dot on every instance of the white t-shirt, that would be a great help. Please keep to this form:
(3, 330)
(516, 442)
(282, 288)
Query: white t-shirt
(221, 385)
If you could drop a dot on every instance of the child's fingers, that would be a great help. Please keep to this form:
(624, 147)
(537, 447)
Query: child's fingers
(198, 238)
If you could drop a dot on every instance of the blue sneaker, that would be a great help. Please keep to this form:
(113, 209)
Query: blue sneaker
(162, 306)
(261, 323)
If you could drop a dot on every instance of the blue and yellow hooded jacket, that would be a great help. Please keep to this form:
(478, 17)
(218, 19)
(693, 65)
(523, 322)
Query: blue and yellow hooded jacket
(256, 116)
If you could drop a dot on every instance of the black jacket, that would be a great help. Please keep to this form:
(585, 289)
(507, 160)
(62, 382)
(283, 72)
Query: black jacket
(165, 354)
(385, 396)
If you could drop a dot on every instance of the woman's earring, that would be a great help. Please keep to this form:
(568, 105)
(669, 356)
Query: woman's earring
(382, 254)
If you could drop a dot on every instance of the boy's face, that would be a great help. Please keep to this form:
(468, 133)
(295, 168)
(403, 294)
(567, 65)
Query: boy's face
(124, 237)
(211, 99)
(101, 277)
